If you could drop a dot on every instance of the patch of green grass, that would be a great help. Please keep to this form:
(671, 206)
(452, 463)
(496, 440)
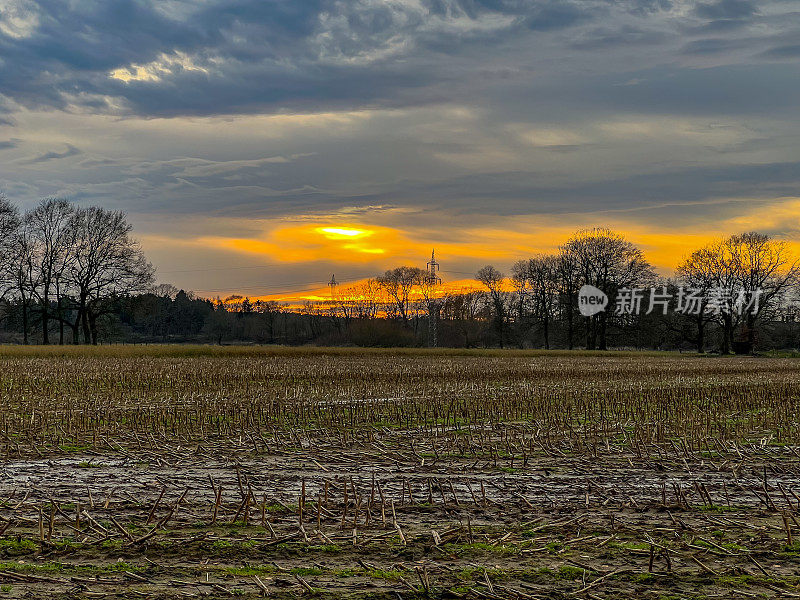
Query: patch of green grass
(630, 545)
(15, 547)
(732, 546)
(569, 573)
(307, 571)
(73, 449)
(479, 548)
(221, 545)
(250, 570)
(461, 590)
(67, 544)
(388, 575)
(330, 548)
(794, 549)
(344, 573)
(736, 581)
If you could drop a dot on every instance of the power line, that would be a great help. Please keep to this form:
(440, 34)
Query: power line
(433, 307)
(309, 285)
(266, 265)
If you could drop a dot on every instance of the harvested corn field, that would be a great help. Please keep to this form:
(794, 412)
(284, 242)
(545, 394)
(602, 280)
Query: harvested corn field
(208, 472)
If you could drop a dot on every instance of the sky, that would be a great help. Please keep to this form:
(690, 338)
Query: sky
(258, 146)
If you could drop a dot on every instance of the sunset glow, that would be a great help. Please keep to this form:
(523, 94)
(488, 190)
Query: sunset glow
(247, 167)
(338, 232)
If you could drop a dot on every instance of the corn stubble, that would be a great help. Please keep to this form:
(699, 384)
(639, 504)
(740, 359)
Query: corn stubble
(349, 473)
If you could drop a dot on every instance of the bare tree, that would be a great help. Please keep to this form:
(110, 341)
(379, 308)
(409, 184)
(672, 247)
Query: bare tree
(568, 273)
(399, 284)
(521, 282)
(493, 280)
(609, 262)
(462, 308)
(107, 264)
(763, 266)
(366, 299)
(52, 243)
(537, 283)
(9, 226)
(699, 274)
(21, 274)
(736, 269)
(165, 290)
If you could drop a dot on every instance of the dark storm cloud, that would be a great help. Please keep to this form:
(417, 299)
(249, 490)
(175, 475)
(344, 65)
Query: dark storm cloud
(470, 106)
(249, 56)
(253, 56)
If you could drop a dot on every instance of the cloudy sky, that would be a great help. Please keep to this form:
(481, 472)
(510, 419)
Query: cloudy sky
(261, 145)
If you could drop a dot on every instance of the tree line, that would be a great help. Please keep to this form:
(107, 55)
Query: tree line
(65, 267)
(749, 266)
(536, 303)
(72, 274)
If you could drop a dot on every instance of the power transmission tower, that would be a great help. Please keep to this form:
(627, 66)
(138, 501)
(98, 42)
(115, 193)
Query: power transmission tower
(333, 284)
(433, 280)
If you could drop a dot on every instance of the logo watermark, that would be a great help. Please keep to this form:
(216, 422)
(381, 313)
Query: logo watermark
(591, 300)
(685, 300)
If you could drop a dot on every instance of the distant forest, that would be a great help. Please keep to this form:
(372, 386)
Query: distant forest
(74, 275)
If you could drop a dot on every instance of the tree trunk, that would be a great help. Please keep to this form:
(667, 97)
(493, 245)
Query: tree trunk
(498, 319)
(93, 328)
(570, 327)
(45, 327)
(85, 322)
(602, 345)
(46, 318)
(499, 325)
(546, 325)
(75, 329)
(60, 313)
(701, 330)
(24, 320)
(751, 331)
(727, 334)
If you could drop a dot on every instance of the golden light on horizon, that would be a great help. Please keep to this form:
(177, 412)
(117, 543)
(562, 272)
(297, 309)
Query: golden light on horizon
(336, 232)
(353, 235)
(464, 245)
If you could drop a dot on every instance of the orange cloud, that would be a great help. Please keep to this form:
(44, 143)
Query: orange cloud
(293, 243)
(502, 240)
(498, 240)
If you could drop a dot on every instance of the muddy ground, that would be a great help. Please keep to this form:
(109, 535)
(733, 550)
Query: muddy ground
(379, 520)
(130, 473)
